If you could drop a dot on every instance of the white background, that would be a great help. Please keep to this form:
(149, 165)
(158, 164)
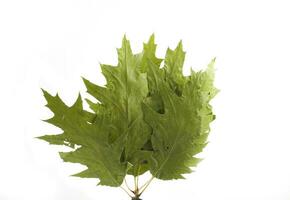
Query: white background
(50, 44)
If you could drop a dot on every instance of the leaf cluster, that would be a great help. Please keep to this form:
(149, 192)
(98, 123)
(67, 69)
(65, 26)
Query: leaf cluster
(146, 118)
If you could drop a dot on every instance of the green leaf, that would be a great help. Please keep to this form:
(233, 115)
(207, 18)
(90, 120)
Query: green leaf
(181, 131)
(173, 64)
(146, 118)
(101, 159)
(122, 97)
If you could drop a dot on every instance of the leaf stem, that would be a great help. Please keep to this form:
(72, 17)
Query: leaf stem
(126, 191)
(137, 179)
(135, 184)
(128, 185)
(146, 185)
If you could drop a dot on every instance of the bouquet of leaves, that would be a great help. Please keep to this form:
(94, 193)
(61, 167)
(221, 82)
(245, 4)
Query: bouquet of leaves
(147, 118)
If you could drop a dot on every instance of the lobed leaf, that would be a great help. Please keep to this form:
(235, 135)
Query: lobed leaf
(147, 118)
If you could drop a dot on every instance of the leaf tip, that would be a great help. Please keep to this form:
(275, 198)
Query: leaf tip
(39, 137)
(85, 81)
(152, 38)
(46, 94)
(180, 44)
(125, 41)
(62, 155)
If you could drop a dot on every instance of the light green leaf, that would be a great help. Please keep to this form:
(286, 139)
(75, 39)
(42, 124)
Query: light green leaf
(146, 118)
(181, 131)
(101, 159)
